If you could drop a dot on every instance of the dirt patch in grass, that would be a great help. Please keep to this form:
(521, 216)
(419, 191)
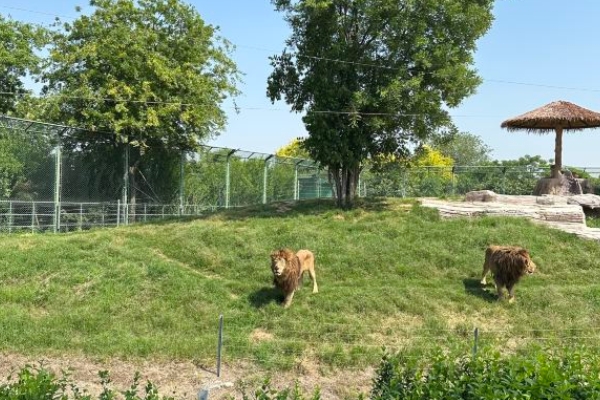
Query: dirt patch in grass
(260, 335)
(183, 379)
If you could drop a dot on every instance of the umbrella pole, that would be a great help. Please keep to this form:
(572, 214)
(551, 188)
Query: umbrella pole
(556, 172)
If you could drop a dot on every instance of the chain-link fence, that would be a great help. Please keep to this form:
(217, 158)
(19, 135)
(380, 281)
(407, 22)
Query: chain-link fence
(458, 180)
(45, 186)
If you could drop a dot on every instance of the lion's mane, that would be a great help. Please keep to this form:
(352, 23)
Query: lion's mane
(508, 263)
(288, 281)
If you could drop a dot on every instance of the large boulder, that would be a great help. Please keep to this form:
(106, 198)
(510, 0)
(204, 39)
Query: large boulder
(590, 201)
(481, 195)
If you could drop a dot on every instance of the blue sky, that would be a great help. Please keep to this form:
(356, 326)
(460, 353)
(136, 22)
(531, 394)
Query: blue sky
(537, 51)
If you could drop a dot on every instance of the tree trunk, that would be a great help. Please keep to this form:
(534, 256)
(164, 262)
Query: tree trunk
(133, 171)
(556, 171)
(345, 180)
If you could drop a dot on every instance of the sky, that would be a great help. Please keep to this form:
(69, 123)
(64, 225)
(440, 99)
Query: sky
(537, 52)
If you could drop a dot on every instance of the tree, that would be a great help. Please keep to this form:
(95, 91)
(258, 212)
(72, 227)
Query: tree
(18, 57)
(139, 75)
(464, 148)
(374, 75)
(294, 149)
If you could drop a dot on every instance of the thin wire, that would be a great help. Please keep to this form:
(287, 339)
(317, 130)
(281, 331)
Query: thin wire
(36, 12)
(192, 105)
(351, 62)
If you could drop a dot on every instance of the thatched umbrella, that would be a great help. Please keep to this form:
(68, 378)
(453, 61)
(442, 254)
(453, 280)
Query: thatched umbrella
(556, 116)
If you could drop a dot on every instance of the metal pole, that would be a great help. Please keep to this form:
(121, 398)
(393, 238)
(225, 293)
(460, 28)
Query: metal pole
(10, 216)
(33, 217)
(227, 178)
(318, 183)
(358, 189)
(181, 182)
(118, 212)
(475, 340)
(265, 179)
(296, 184)
(80, 216)
(125, 194)
(220, 346)
(57, 187)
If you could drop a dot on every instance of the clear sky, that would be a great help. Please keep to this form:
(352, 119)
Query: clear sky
(536, 52)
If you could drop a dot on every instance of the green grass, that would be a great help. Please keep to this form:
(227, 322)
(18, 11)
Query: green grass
(593, 222)
(389, 274)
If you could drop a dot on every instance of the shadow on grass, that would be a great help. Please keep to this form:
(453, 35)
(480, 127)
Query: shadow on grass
(264, 296)
(474, 288)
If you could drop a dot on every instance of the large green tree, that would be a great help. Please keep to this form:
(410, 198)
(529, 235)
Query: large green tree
(18, 57)
(374, 75)
(139, 74)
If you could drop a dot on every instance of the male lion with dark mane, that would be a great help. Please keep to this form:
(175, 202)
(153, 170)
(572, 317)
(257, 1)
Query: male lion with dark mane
(288, 268)
(508, 264)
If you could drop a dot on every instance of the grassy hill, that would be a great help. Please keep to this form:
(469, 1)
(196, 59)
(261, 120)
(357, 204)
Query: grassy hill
(389, 275)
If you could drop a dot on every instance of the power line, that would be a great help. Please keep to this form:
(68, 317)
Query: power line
(36, 12)
(336, 60)
(192, 105)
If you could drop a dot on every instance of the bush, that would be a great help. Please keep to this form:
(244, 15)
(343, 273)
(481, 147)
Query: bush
(267, 392)
(37, 383)
(572, 375)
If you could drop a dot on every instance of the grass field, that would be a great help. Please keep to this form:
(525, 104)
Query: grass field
(389, 274)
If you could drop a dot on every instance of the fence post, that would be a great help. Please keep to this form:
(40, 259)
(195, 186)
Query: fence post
(181, 182)
(219, 346)
(118, 212)
(228, 178)
(33, 217)
(125, 194)
(475, 341)
(57, 187)
(453, 181)
(296, 183)
(265, 179)
(10, 216)
(318, 183)
(80, 216)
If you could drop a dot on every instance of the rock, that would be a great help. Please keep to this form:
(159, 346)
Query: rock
(545, 200)
(563, 185)
(481, 195)
(588, 200)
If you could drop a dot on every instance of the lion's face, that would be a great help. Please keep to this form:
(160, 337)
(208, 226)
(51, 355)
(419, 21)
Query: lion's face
(530, 265)
(278, 266)
(278, 262)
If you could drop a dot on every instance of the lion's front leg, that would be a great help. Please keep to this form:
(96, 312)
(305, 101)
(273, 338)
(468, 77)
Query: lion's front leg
(486, 269)
(499, 291)
(511, 294)
(288, 299)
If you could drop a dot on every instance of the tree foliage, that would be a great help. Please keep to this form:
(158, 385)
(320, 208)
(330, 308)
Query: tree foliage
(294, 149)
(148, 74)
(18, 44)
(464, 148)
(373, 75)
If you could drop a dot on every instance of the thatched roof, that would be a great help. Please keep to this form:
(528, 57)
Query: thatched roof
(563, 114)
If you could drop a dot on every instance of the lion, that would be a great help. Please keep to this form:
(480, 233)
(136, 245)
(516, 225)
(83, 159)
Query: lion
(288, 269)
(508, 264)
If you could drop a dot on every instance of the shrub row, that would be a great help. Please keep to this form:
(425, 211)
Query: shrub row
(569, 375)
